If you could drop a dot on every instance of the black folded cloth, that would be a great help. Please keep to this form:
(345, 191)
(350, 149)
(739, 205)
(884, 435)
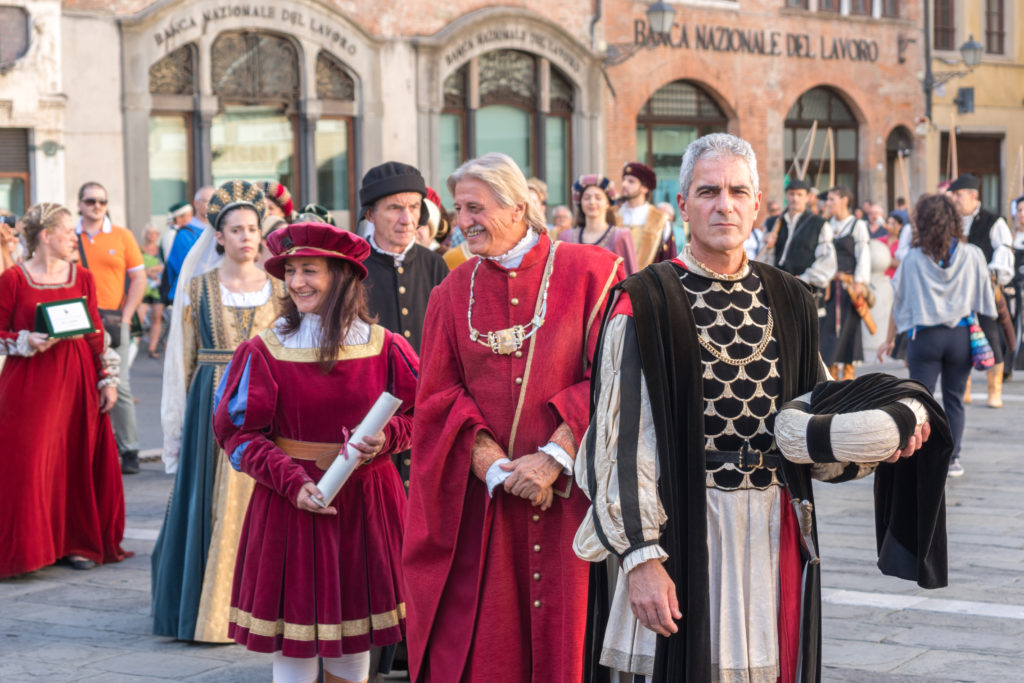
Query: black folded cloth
(910, 498)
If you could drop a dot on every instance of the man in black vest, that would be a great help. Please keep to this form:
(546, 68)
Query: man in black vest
(802, 241)
(988, 232)
(402, 273)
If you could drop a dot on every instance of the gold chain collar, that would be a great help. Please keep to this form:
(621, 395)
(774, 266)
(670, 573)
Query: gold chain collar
(743, 271)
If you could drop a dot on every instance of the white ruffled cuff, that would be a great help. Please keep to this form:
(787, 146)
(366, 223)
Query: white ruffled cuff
(110, 367)
(17, 347)
(641, 555)
(495, 475)
(560, 456)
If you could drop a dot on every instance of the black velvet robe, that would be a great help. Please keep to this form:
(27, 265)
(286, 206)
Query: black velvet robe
(398, 295)
(671, 362)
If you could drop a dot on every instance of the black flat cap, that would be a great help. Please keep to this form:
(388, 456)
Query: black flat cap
(966, 181)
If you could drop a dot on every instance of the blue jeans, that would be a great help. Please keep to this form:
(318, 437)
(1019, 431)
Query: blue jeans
(945, 351)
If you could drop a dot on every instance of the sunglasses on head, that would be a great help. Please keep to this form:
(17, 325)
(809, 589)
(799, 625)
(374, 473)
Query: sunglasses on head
(93, 201)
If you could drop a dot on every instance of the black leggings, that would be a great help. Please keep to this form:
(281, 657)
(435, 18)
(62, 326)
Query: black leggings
(945, 351)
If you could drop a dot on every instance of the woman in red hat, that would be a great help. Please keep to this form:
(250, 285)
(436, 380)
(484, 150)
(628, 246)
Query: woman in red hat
(310, 581)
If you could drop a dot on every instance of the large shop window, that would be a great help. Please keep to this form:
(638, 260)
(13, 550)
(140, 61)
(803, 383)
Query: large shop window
(333, 138)
(256, 77)
(514, 117)
(14, 177)
(169, 163)
(259, 132)
(825, 106)
(674, 116)
(172, 86)
(253, 142)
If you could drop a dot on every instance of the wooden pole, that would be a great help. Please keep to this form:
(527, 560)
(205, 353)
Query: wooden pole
(830, 147)
(902, 166)
(832, 161)
(810, 148)
(1020, 170)
(954, 166)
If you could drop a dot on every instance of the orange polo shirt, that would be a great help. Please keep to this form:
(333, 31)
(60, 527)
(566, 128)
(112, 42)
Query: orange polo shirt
(110, 254)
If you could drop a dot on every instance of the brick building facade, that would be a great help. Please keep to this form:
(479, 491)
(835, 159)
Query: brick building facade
(158, 98)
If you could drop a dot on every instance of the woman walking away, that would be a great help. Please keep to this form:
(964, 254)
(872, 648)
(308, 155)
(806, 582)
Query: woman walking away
(312, 581)
(937, 290)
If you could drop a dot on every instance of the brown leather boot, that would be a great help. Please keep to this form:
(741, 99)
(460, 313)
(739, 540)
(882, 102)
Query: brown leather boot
(834, 371)
(848, 371)
(967, 391)
(995, 386)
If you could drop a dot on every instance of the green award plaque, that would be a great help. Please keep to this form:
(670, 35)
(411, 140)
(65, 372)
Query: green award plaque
(65, 318)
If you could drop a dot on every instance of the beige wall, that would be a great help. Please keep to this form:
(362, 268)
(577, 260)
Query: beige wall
(93, 132)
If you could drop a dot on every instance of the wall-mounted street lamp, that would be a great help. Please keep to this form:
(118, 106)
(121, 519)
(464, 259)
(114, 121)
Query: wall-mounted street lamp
(970, 55)
(660, 17)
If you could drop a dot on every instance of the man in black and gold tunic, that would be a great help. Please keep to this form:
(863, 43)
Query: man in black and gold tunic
(718, 576)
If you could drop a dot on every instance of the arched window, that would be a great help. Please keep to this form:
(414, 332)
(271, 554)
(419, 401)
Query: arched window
(898, 148)
(172, 87)
(825, 106)
(676, 115)
(256, 77)
(333, 140)
(516, 115)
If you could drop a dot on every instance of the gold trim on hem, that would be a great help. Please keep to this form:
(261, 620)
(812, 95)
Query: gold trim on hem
(310, 632)
(354, 352)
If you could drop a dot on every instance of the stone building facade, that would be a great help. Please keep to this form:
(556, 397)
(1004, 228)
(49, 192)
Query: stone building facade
(155, 99)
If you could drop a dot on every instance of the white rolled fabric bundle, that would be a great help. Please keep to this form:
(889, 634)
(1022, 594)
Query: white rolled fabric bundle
(866, 436)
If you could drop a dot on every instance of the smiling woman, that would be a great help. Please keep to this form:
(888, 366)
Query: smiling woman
(314, 577)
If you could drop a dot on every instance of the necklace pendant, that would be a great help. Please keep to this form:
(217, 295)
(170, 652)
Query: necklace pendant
(506, 341)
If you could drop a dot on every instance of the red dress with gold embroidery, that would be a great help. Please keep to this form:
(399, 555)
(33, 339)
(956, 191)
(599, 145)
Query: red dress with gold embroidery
(60, 477)
(308, 584)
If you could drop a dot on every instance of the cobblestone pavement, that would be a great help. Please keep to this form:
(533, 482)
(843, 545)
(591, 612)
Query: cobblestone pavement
(58, 624)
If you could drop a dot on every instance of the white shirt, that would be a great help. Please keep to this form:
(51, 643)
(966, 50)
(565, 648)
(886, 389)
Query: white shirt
(1002, 246)
(823, 268)
(308, 334)
(861, 247)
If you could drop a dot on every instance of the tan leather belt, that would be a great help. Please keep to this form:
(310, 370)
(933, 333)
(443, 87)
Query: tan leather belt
(322, 453)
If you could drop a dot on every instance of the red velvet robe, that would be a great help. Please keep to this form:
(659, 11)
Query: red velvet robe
(306, 584)
(494, 591)
(60, 477)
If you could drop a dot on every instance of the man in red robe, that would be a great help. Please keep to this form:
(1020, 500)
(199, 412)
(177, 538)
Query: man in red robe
(494, 591)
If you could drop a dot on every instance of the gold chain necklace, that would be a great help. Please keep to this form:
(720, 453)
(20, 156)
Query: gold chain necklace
(733, 277)
(705, 340)
(511, 339)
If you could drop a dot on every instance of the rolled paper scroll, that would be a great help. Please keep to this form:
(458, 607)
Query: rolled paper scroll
(343, 466)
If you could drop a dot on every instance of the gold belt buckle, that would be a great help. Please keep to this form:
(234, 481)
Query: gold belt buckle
(744, 454)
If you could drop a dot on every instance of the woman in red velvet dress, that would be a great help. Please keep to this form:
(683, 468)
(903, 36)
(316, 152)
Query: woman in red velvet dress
(313, 582)
(60, 477)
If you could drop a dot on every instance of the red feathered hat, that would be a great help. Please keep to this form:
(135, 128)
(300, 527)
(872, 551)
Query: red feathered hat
(315, 239)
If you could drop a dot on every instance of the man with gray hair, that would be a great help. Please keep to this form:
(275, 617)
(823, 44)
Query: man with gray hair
(717, 579)
(494, 591)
